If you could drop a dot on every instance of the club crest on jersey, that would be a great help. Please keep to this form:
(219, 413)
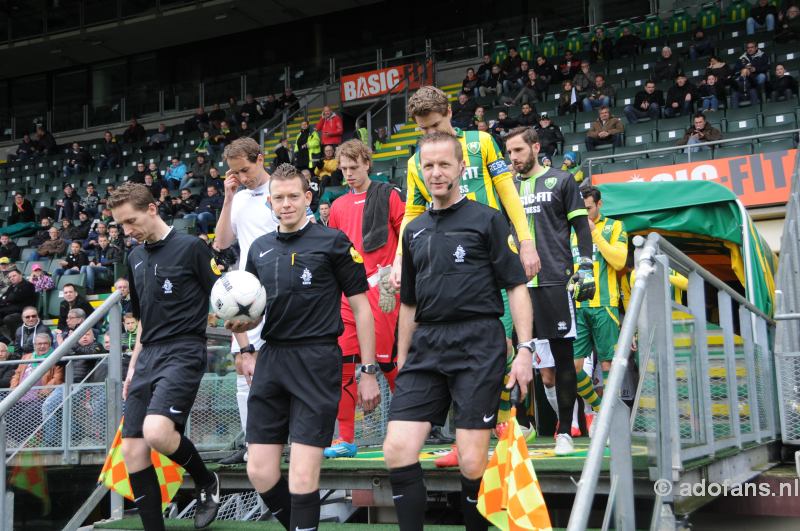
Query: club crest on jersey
(607, 229)
(473, 147)
(306, 277)
(512, 245)
(167, 287)
(357, 258)
(460, 254)
(550, 182)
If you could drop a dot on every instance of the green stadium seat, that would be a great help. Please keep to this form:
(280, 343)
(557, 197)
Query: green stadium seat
(741, 127)
(575, 142)
(703, 154)
(609, 167)
(650, 29)
(573, 42)
(583, 121)
(29, 266)
(779, 107)
(737, 12)
(619, 66)
(640, 139)
(672, 131)
(526, 49)
(623, 154)
(26, 254)
(625, 23)
(78, 279)
(626, 96)
(186, 226)
(549, 46)
(709, 16)
(642, 128)
(655, 160)
(779, 144)
(679, 22)
(724, 152)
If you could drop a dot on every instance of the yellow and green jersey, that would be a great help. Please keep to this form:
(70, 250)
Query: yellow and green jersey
(487, 179)
(678, 285)
(610, 251)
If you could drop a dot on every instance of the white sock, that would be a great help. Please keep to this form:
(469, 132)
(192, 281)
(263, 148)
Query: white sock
(575, 415)
(550, 393)
(242, 392)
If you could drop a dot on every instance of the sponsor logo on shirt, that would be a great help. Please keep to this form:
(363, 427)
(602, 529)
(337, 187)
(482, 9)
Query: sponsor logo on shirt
(460, 253)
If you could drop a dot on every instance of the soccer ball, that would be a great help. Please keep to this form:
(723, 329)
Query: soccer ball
(238, 296)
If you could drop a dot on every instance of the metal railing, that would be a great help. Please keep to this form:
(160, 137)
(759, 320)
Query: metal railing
(113, 392)
(704, 386)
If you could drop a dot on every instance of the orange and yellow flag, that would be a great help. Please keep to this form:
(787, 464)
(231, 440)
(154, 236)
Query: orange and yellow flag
(115, 475)
(29, 475)
(510, 496)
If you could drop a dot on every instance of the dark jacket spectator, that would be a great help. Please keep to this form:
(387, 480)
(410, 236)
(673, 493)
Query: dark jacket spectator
(251, 109)
(720, 69)
(6, 371)
(17, 296)
(109, 256)
(79, 302)
(55, 246)
(550, 135)
(74, 261)
(601, 47)
(199, 168)
(288, 101)
(216, 115)
(23, 339)
(463, 111)
(198, 122)
(470, 84)
(759, 13)
(27, 148)
(485, 68)
(781, 86)
(68, 205)
(21, 211)
(138, 175)
(755, 60)
(212, 204)
(42, 233)
(528, 116)
(187, 204)
(45, 141)
(9, 249)
(642, 97)
(667, 67)
(681, 97)
(628, 44)
(788, 28)
(708, 133)
(134, 133)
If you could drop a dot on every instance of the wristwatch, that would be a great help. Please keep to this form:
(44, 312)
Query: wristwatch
(369, 368)
(250, 349)
(530, 345)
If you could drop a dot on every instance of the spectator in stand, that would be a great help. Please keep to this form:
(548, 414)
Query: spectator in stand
(30, 328)
(45, 141)
(55, 246)
(720, 69)
(501, 127)
(215, 179)
(314, 186)
(571, 165)
(381, 137)
(530, 91)
(667, 67)
(28, 409)
(324, 212)
(155, 187)
(251, 110)
(550, 135)
(5, 267)
(245, 130)
(327, 169)
(301, 157)
(463, 112)
(568, 101)
(76, 231)
(701, 45)
(115, 237)
(198, 122)
(8, 249)
(470, 84)
(129, 334)
(789, 26)
(72, 301)
(134, 132)
(606, 129)
(288, 102)
(330, 128)
(21, 210)
(138, 175)
(283, 155)
(528, 116)
(102, 266)
(93, 240)
(109, 190)
(6, 371)
(753, 67)
(583, 81)
(569, 66)
(69, 205)
(545, 72)
(493, 85)
(78, 160)
(75, 260)
(482, 126)
(42, 232)
(234, 116)
(165, 204)
(185, 204)
(511, 64)
(762, 17)
(485, 68)
(269, 106)
(207, 211)
(105, 216)
(709, 94)
(110, 153)
(40, 279)
(647, 104)
(782, 86)
(90, 203)
(599, 95)
(175, 174)
(220, 138)
(216, 116)
(20, 293)
(514, 82)
(159, 139)
(701, 131)
(197, 172)
(601, 47)
(202, 145)
(124, 287)
(628, 44)
(26, 149)
(680, 98)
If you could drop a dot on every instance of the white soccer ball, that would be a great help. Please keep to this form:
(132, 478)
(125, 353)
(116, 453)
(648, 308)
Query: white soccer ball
(238, 296)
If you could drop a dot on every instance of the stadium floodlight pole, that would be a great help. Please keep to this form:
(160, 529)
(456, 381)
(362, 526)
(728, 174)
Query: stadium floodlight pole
(587, 485)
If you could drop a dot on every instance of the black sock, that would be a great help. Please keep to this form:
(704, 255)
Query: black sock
(305, 511)
(147, 497)
(186, 456)
(566, 382)
(279, 502)
(409, 495)
(473, 520)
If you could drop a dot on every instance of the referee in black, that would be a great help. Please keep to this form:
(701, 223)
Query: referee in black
(451, 344)
(171, 276)
(297, 378)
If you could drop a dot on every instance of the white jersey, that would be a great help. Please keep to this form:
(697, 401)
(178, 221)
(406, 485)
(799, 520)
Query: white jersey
(251, 217)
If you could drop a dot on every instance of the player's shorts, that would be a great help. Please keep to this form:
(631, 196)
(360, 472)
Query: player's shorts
(543, 357)
(385, 328)
(508, 322)
(598, 331)
(463, 363)
(295, 392)
(553, 313)
(165, 382)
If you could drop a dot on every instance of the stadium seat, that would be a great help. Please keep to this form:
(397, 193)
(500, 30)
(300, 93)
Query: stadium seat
(549, 46)
(609, 167)
(619, 66)
(672, 130)
(779, 144)
(650, 29)
(573, 42)
(623, 154)
(575, 142)
(626, 96)
(78, 279)
(641, 128)
(625, 23)
(723, 151)
(640, 139)
(683, 156)
(741, 126)
(583, 121)
(679, 22)
(26, 254)
(709, 16)
(187, 226)
(737, 12)
(29, 266)
(657, 159)
(526, 49)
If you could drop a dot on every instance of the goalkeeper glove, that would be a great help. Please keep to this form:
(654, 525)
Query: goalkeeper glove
(387, 300)
(582, 282)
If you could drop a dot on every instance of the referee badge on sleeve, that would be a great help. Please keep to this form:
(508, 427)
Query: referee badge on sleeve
(215, 267)
(512, 245)
(357, 258)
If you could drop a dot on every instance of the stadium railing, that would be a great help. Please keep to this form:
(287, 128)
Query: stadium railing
(703, 388)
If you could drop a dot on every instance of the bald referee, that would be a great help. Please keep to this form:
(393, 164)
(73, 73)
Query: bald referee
(296, 383)
(451, 345)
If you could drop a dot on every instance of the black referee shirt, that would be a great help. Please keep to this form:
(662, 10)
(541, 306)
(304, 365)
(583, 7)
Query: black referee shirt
(171, 280)
(305, 274)
(456, 261)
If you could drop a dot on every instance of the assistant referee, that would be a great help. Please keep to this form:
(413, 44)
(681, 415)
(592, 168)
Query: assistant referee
(451, 346)
(171, 276)
(296, 382)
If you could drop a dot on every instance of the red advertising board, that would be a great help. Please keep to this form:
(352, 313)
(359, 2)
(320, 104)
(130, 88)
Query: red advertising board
(758, 180)
(379, 82)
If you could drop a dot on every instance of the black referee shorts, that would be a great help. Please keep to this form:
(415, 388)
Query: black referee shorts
(553, 313)
(295, 392)
(463, 363)
(165, 382)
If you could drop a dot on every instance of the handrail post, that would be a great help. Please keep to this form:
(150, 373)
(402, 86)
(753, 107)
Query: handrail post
(66, 411)
(4, 508)
(114, 392)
